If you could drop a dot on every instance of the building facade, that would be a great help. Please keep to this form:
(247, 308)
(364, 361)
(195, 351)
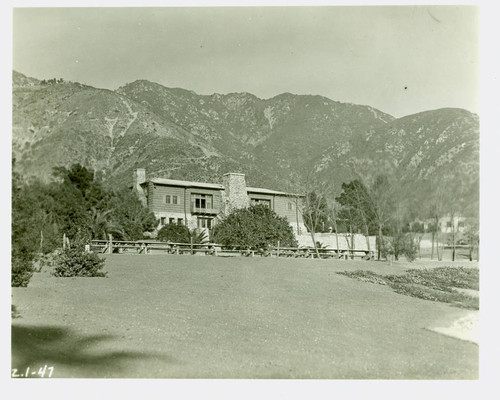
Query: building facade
(201, 205)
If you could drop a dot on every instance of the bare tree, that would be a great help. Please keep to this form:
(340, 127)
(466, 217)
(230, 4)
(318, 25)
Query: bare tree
(313, 206)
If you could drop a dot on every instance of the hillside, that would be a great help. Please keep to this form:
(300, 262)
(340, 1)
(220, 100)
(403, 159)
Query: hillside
(177, 133)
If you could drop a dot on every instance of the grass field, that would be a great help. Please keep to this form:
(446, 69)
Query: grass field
(160, 316)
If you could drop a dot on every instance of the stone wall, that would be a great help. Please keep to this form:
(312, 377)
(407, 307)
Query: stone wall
(235, 194)
(140, 177)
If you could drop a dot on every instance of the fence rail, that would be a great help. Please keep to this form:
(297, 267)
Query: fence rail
(214, 249)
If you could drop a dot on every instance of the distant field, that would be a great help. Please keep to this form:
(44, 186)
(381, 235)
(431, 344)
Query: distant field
(166, 316)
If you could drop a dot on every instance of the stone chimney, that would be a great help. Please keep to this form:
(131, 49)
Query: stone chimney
(235, 192)
(139, 178)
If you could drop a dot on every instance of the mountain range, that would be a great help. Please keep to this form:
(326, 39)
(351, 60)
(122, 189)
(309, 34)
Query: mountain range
(276, 142)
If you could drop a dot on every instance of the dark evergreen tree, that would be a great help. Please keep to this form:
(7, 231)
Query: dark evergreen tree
(256, 227)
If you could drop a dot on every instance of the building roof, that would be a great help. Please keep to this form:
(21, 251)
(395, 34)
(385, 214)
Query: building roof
(216, 186)
(174, 182)
(269, 191)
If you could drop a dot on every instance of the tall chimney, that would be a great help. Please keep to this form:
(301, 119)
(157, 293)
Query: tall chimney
(139, 178)
(235, 192)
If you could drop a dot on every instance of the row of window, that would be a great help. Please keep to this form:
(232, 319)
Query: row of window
(202, 222)
(171, 199)
(266, 202)
(203, 201)
(197, 200)
(206, 201)
(171, 221)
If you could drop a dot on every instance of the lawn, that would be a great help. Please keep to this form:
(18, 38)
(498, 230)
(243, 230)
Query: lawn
(167, 316)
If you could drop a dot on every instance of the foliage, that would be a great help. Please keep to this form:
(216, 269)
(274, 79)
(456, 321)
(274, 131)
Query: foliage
(102, 225)
(23, 239)
(174, 233)
(74, 204)
(257, 227)
(402, 244)
(357, 206)
(437, 284)
(74, 261)
(22, 271)
(446, 277)
(130, 215)
(315, 212)
(198, 236)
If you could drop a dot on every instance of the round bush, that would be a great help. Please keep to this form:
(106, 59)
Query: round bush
(255, 227)
(76, 262)
(174, 233)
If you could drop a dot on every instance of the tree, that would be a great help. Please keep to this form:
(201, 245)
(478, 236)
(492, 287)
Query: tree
(357, 207)
(315, 212)
(383, 196)
(379, 207)
(77, 175)
(102, 225)
(175, 233)
(74, 204)
(130, 214)
(256, 227)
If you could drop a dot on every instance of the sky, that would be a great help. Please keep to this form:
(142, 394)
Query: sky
(401, 60)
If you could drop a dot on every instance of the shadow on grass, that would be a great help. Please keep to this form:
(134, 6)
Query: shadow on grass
(61, 348)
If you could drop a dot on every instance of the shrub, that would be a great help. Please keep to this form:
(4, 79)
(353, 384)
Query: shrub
(365, 276)
(22, 271)
(174, 233)
(75, 261)
(444, 277)
(430, 284)
(403, 244)
(257, 227)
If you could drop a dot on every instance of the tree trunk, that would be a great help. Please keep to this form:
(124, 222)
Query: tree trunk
(336, 233)
(380, 242)
(367, 237)
(311, 231)
(452, 240)
(432, 240)
(437, 246)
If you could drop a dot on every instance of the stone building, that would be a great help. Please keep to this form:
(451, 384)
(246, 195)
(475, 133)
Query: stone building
(200, 204)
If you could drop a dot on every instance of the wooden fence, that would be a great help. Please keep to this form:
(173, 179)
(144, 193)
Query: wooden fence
(213, 249)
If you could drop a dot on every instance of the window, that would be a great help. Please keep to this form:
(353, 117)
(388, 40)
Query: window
(180, 221)
(204, 222)
(174, 199)
(202, 201)
(290, 206)
(448, 224)
(162, 221)
(167, 199)
(255, 201)
(171, 220)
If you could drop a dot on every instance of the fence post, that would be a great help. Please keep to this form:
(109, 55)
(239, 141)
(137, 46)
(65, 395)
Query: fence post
(110, 247)
(278, 249)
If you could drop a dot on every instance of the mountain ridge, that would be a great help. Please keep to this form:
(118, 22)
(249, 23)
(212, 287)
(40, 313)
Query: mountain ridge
(177, 133)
